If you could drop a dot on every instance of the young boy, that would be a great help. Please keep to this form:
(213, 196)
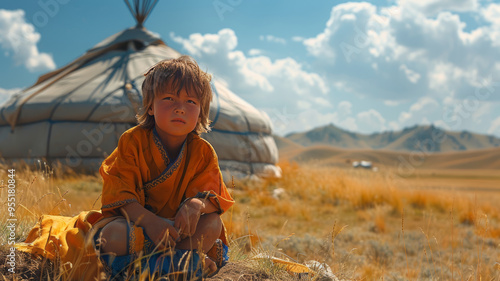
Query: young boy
(162, 184)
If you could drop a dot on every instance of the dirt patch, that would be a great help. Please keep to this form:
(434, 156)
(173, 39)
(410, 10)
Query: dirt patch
(238, 272)
(27, 268)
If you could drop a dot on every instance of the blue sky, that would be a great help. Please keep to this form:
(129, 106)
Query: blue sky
(364, 66)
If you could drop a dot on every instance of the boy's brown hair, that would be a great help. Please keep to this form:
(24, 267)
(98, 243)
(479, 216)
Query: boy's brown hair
(175, 75)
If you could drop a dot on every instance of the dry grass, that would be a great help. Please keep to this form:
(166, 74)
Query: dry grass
(364, 225)
(442, 237)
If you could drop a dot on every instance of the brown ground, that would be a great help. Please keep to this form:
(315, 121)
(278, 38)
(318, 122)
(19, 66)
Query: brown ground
(238, 272)
(27, 268)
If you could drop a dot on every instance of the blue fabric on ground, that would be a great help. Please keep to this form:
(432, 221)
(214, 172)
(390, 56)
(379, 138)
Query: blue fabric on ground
(225, 255)
(115, 266)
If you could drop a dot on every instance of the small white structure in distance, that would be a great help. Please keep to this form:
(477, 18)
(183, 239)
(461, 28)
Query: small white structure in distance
(362, 164)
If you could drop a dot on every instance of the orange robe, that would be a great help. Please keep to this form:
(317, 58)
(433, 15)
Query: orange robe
(140, 170)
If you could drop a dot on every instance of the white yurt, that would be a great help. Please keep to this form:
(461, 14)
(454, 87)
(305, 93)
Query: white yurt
(75, 115)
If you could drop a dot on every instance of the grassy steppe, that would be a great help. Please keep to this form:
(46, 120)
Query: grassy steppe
(434, 225)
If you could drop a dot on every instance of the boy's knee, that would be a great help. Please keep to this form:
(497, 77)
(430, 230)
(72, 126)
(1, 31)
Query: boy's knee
(114, 238)
(213, 220)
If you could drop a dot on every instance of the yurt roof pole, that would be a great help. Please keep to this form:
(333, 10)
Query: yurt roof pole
(141, 9)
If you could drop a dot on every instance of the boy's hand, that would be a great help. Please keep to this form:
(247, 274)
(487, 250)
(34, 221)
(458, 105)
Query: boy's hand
(187, 217)
(162, 233)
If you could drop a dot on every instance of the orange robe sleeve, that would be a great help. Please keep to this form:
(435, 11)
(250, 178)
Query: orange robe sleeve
(207, 182)
(122, 175)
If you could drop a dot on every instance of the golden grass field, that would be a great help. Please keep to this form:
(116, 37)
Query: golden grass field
(440, 224)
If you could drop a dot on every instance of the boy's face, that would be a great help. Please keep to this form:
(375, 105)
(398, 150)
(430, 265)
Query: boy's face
(175, 115)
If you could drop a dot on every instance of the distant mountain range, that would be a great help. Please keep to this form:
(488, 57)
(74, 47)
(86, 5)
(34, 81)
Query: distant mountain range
(427, 138)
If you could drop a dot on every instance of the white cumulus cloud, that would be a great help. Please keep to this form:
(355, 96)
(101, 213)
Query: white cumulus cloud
(398, 53)
(391, 103)
(371, 120)
(272, 38)
(254, 52)
(432, 7)
(344, 108)
(257, 78)
(420, 112)
(19, 40)
(410, 74)
(492, 13)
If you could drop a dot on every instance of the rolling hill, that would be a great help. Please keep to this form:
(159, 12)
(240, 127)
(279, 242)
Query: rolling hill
(480, 159)
(426, 138)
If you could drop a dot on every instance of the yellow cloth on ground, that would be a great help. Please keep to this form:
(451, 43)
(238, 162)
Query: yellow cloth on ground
(139, 170)
(70, 240)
